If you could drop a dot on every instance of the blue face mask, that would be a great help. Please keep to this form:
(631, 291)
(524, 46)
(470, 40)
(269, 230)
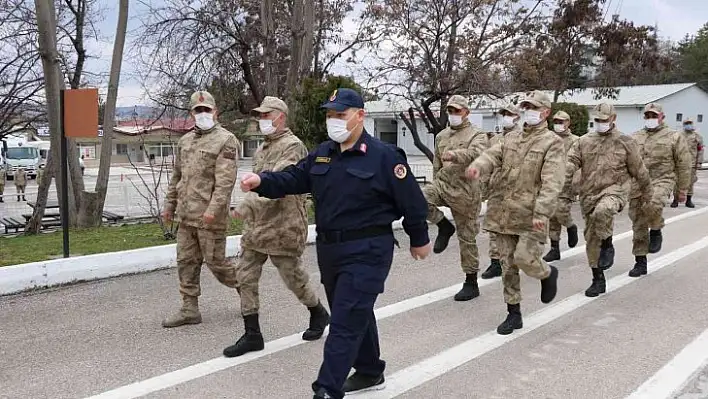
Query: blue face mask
(688, 128)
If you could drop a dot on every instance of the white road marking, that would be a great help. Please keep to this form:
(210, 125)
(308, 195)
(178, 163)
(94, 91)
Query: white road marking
(437, 365)
(170, 379)
(675, 374)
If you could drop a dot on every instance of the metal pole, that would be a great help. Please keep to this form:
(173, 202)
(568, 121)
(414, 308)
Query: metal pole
(64, 180)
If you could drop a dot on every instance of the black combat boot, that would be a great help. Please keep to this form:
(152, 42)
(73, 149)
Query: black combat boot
(549, 286)
(513, 320)
(607, 254)
(554, 253)
(23, 198)
(640, 267)
(470, 289)
(358, 382)
(1, 200)
(250, 341)
(675, 203)
(655, 240)
(18, 198)
(494, 270)
(572, 236)
(445, 232)
(689, 203)
(319, 319)
(598, 285)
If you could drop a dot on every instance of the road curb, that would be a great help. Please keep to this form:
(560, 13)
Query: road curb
(51, 273)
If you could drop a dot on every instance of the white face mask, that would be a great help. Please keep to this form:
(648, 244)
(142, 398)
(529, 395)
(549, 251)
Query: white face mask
(455, 120)
(532, 117)
(651, 123)
(559, 128)
(337, 130)
(508, 121)
(266, 126)
(602, 127)
(204, 120)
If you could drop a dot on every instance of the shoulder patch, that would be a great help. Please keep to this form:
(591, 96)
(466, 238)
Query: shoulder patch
(400, 171)
(230, 153)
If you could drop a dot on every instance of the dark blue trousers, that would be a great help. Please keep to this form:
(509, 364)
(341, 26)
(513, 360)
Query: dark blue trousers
(353, 274)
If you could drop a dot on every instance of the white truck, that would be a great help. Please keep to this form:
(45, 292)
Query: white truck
(17, 153)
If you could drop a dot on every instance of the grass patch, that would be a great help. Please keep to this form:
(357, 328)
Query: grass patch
(45, 246)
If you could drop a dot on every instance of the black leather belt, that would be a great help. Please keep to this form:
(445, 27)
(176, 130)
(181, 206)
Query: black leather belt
(334, 236)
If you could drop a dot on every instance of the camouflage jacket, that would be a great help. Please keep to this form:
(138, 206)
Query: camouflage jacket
(490, 180)
(607, 163)
(466, 143)
(531, 169)
(569, 139)
(694, 141)
(276, 226)
(666, 156)
(203, 178)
(20, 177)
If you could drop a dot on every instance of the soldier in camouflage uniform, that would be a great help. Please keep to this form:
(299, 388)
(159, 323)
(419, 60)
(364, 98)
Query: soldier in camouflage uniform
(694, 140)
(275, 228)
(455, 148)
(666, 156)
(510, 125)
(2, 183)
(199, 195)
(607, 160)
(531, 168)
(20, 183)
(562, 216)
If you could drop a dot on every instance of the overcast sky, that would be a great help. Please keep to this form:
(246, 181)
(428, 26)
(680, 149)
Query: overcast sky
(675, 19)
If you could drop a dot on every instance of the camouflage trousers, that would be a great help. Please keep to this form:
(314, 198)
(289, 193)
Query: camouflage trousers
(493, 246)
(20, 189)
(2, 186)
(694, 179)
(466, 221)
(645, 216)
(248, 274)
(561, 218)
(519, 253)
(195, 246)
(599, 223)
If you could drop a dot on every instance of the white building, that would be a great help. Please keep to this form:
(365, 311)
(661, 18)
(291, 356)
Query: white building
(680, 101)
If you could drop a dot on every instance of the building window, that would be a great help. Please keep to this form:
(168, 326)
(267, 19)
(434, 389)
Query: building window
(87, 150)
(160, 149)
(679, 117)
(699, 119)
(121, 149)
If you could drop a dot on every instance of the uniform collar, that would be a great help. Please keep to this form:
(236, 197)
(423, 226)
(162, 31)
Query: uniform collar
(275, 136)
(534, 130)
(200, 132)
(359, 148)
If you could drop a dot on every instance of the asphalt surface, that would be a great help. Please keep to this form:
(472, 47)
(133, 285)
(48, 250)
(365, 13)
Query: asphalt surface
(101, 337)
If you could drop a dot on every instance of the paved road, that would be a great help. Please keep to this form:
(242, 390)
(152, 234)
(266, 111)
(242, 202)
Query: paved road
(646, 338)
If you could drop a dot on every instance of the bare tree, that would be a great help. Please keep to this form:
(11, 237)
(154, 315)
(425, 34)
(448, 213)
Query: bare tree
(21, 80)
(68, 35)
(436, 48)
(185, 46)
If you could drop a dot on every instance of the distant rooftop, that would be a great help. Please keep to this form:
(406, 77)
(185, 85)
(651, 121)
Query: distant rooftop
(628, 96)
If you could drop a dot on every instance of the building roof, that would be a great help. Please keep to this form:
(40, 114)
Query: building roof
(628, 96)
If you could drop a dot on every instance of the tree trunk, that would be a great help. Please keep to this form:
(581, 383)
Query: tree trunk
(46, 23)
(413, 127)
(296, 47)
(271, 73)
(92, 208)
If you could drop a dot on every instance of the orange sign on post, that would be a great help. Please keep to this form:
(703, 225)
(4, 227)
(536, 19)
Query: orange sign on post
(81, 113)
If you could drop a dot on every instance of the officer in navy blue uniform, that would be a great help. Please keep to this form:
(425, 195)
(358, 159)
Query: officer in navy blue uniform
(360, 186)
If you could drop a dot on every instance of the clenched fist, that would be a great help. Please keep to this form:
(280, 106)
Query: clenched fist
(250, 181)
(421, 252)
(472, 173)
